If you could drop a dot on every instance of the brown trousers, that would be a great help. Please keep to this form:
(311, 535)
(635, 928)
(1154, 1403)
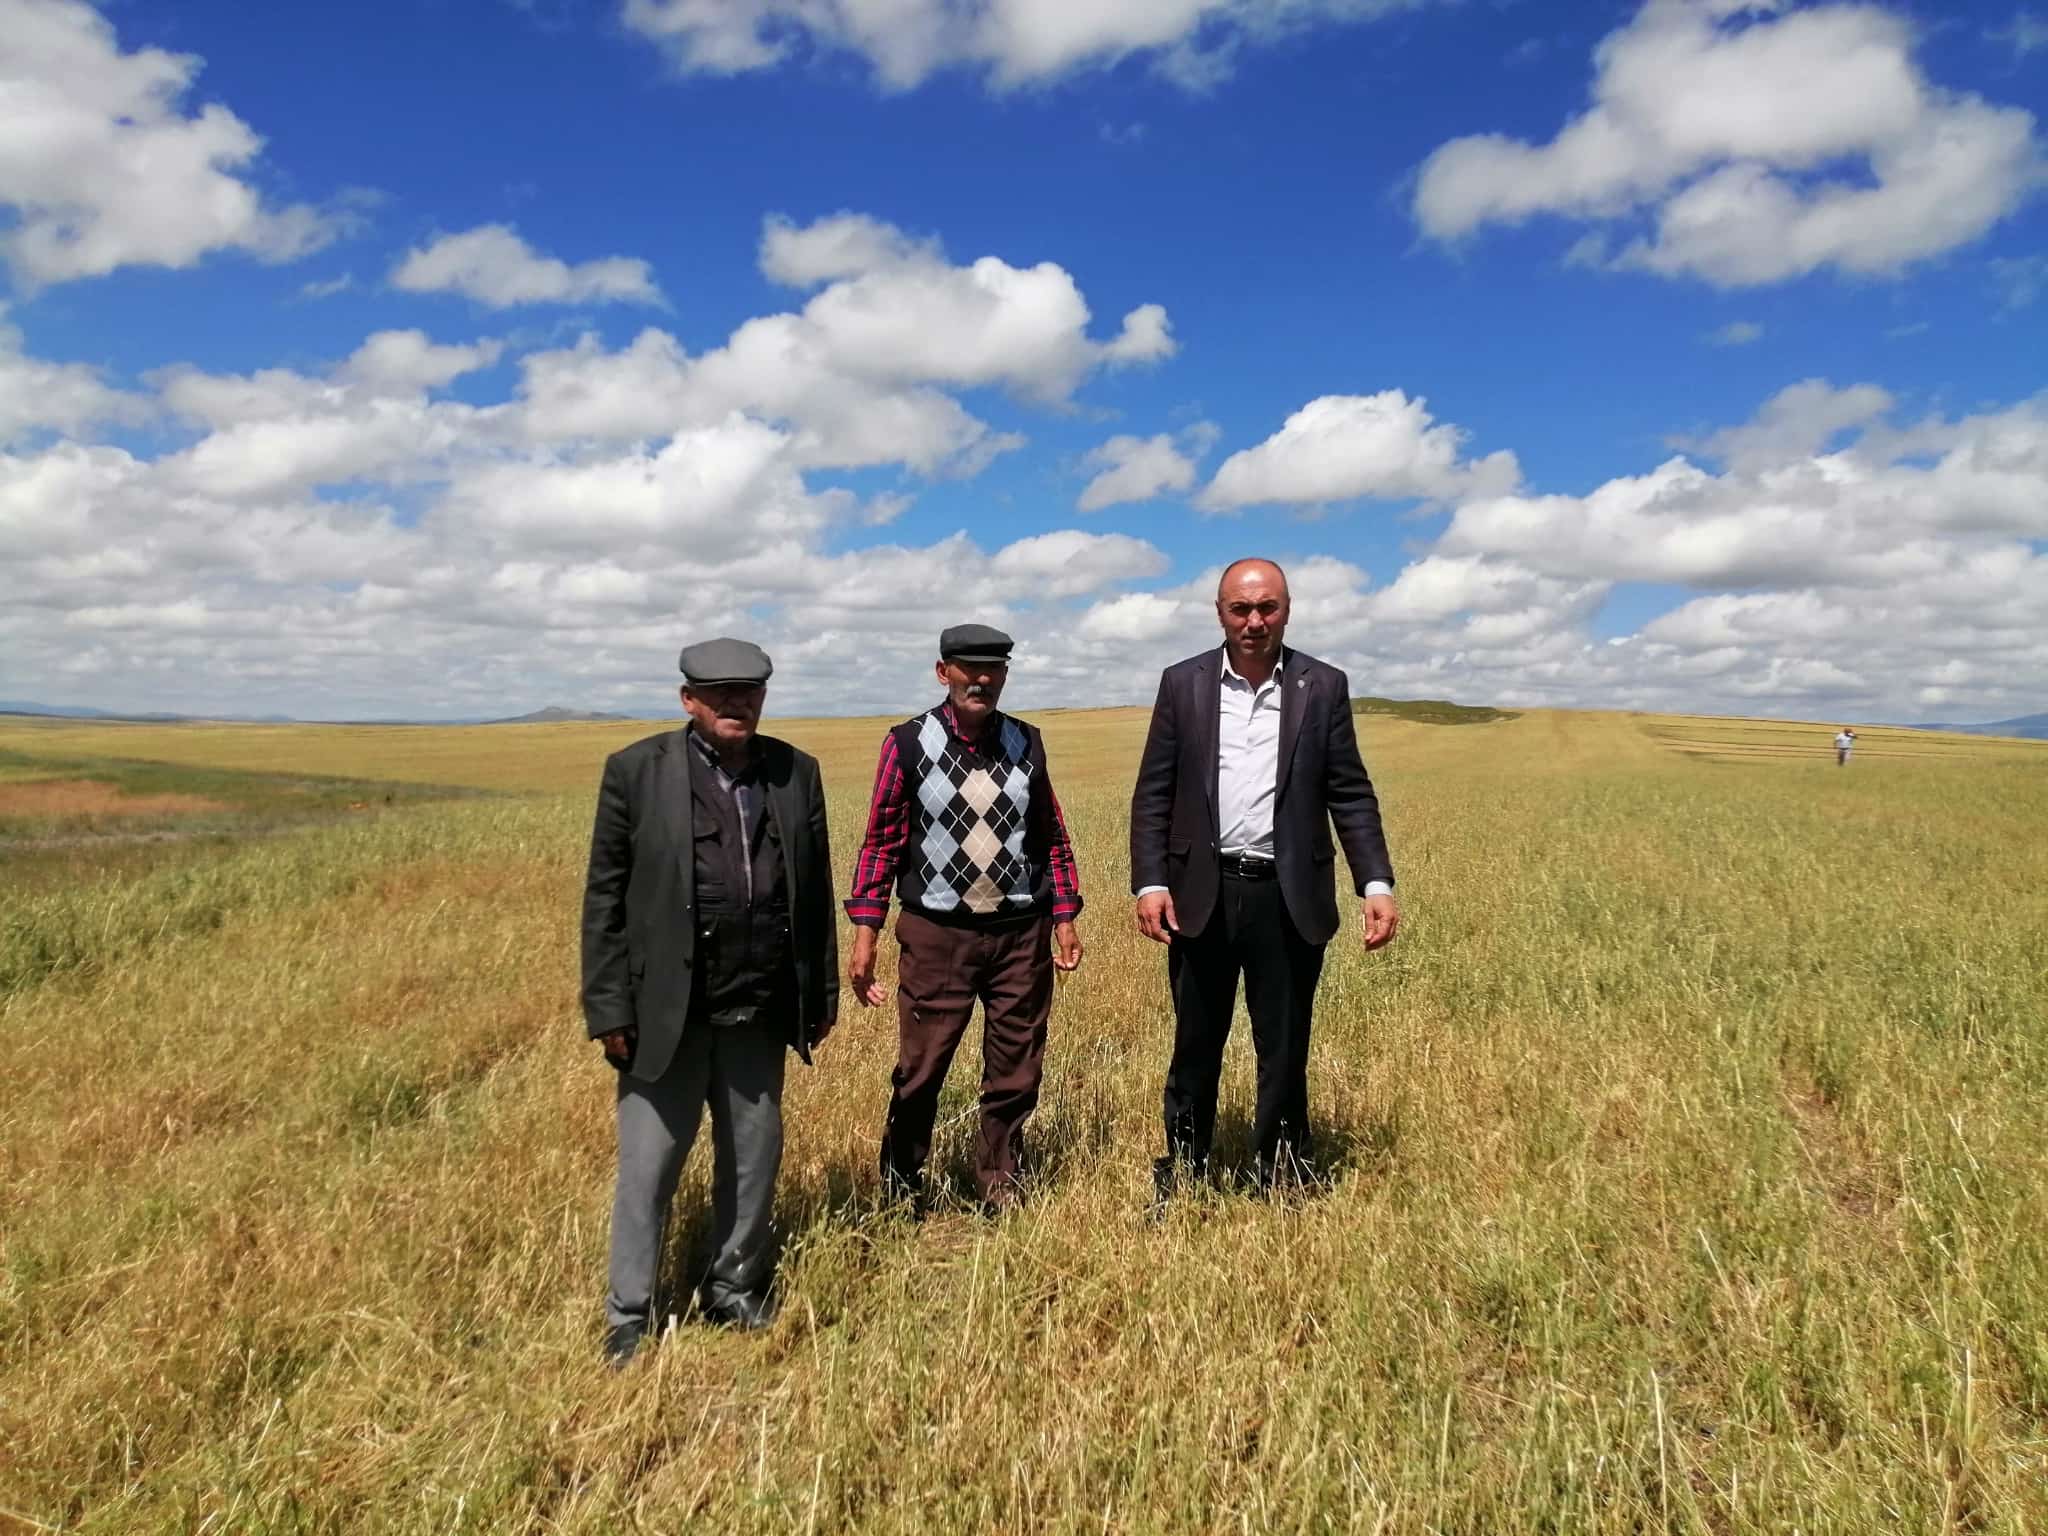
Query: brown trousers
(942, 971)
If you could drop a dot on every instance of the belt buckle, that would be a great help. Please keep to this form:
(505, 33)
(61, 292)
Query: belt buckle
(1251, 866)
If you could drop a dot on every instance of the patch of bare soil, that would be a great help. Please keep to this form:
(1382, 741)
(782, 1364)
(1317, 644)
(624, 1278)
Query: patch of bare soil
(66, 799)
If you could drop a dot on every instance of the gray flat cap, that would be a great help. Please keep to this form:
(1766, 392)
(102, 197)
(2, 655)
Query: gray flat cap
(725, 660)
(974, 642)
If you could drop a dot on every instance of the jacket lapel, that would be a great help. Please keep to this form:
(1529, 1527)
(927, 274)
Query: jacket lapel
(672, 793)
(1293, 705)
(1209, 712)
(788, 817)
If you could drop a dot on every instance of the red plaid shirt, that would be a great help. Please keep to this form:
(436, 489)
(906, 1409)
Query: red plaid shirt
(881, 851)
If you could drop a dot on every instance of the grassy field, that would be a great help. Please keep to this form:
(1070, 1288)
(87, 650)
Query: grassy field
(1690, 1171)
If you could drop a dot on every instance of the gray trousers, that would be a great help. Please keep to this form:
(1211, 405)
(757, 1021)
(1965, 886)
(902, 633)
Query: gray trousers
(738, 1072)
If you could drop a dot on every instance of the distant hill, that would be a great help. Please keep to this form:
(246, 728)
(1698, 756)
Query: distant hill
(2029, 727)
(555, 714)
(115, 716)
(1431, 711)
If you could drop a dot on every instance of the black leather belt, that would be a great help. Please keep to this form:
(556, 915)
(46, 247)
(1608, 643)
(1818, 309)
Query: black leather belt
(1241, 866)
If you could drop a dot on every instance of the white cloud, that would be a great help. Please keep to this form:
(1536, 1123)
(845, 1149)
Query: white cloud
(38, 396)
(1135, 469)
(493, 265)
(1736, 333)
(1890, 509)
(1341, 447)
(1013, 42)
(1797, 423)
(844, 245)
(861, 375)
(1069, 563)
(2025, 34)
(2020, 280)
(102, 167)
(1760, 143)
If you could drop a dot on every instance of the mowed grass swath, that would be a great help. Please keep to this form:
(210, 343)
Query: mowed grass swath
(1689, 1172)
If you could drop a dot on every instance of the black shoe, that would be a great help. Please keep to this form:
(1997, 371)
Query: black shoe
(622, 1342)
(1173, 1173)
(744, 1311)
(905, 1190)
(1288, 1171)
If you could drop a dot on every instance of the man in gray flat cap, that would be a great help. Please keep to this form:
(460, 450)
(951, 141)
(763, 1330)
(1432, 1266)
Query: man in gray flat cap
(709, 948)
(965, 826)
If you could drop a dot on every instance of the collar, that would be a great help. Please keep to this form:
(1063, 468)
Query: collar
(989, 732)
(1279, 667)
(709, 754)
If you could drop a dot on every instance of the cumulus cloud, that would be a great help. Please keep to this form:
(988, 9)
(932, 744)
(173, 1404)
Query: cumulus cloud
(38, 396)
(1135, 469)
(493, 265)
(1758, 144)
(1891, 508)
(102, 166)
(1342, 447)
(864, 373)
(1011, 42)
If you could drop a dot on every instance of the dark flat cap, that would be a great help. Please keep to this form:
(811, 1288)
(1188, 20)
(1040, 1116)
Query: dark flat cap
(725, 660)
(974, 642)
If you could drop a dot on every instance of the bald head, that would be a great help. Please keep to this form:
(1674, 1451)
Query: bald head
(1251, 605)
(1265, 572)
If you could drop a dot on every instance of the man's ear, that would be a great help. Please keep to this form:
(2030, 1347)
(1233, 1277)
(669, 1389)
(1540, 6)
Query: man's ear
(939, 670)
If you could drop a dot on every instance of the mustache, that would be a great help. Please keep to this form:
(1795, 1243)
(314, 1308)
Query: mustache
(976, 690)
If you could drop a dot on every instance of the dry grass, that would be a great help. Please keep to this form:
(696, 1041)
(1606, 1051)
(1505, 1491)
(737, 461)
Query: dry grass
(1689, 1176)
(89, 799)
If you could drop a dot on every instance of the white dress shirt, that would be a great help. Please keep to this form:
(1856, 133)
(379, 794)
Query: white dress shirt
(1247, 762)
(1248, 768)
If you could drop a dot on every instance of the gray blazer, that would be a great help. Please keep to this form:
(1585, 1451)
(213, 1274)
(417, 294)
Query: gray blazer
(639, 900)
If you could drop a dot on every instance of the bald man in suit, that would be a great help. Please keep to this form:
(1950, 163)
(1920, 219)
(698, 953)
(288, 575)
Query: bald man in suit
(1251, 759)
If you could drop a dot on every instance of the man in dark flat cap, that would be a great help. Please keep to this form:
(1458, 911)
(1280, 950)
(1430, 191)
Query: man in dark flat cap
(966, 828)
(709, 948)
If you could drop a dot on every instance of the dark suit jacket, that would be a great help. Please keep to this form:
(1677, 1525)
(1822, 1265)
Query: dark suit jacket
(1173, 809)
(639, 902)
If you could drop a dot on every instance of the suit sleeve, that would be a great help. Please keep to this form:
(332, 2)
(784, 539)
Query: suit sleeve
(828, 922)
(607, 987)
(1152, 799)
(1354, 808)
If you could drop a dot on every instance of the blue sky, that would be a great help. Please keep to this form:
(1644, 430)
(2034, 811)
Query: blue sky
(1674, 354)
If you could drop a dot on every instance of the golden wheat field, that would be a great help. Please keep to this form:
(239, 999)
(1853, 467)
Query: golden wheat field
(1689, 1165)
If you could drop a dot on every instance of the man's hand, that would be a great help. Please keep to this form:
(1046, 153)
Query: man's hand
(1066, 947)
(1381, 918)
(860, 969)
(1156, 919)
(618, 1045)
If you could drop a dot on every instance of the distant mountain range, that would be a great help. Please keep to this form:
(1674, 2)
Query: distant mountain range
(553, 714)
(2030, 727)
(147, 717)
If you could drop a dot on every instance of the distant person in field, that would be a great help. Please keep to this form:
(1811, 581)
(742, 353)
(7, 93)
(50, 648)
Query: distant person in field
(1251, 757)
(965, 827)
(1845, 743)
(710, 948)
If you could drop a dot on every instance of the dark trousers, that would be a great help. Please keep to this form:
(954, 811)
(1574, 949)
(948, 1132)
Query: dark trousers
(943, 970)
(1250, 932)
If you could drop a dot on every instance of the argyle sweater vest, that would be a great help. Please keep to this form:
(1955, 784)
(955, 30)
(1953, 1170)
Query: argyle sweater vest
(980, 827)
